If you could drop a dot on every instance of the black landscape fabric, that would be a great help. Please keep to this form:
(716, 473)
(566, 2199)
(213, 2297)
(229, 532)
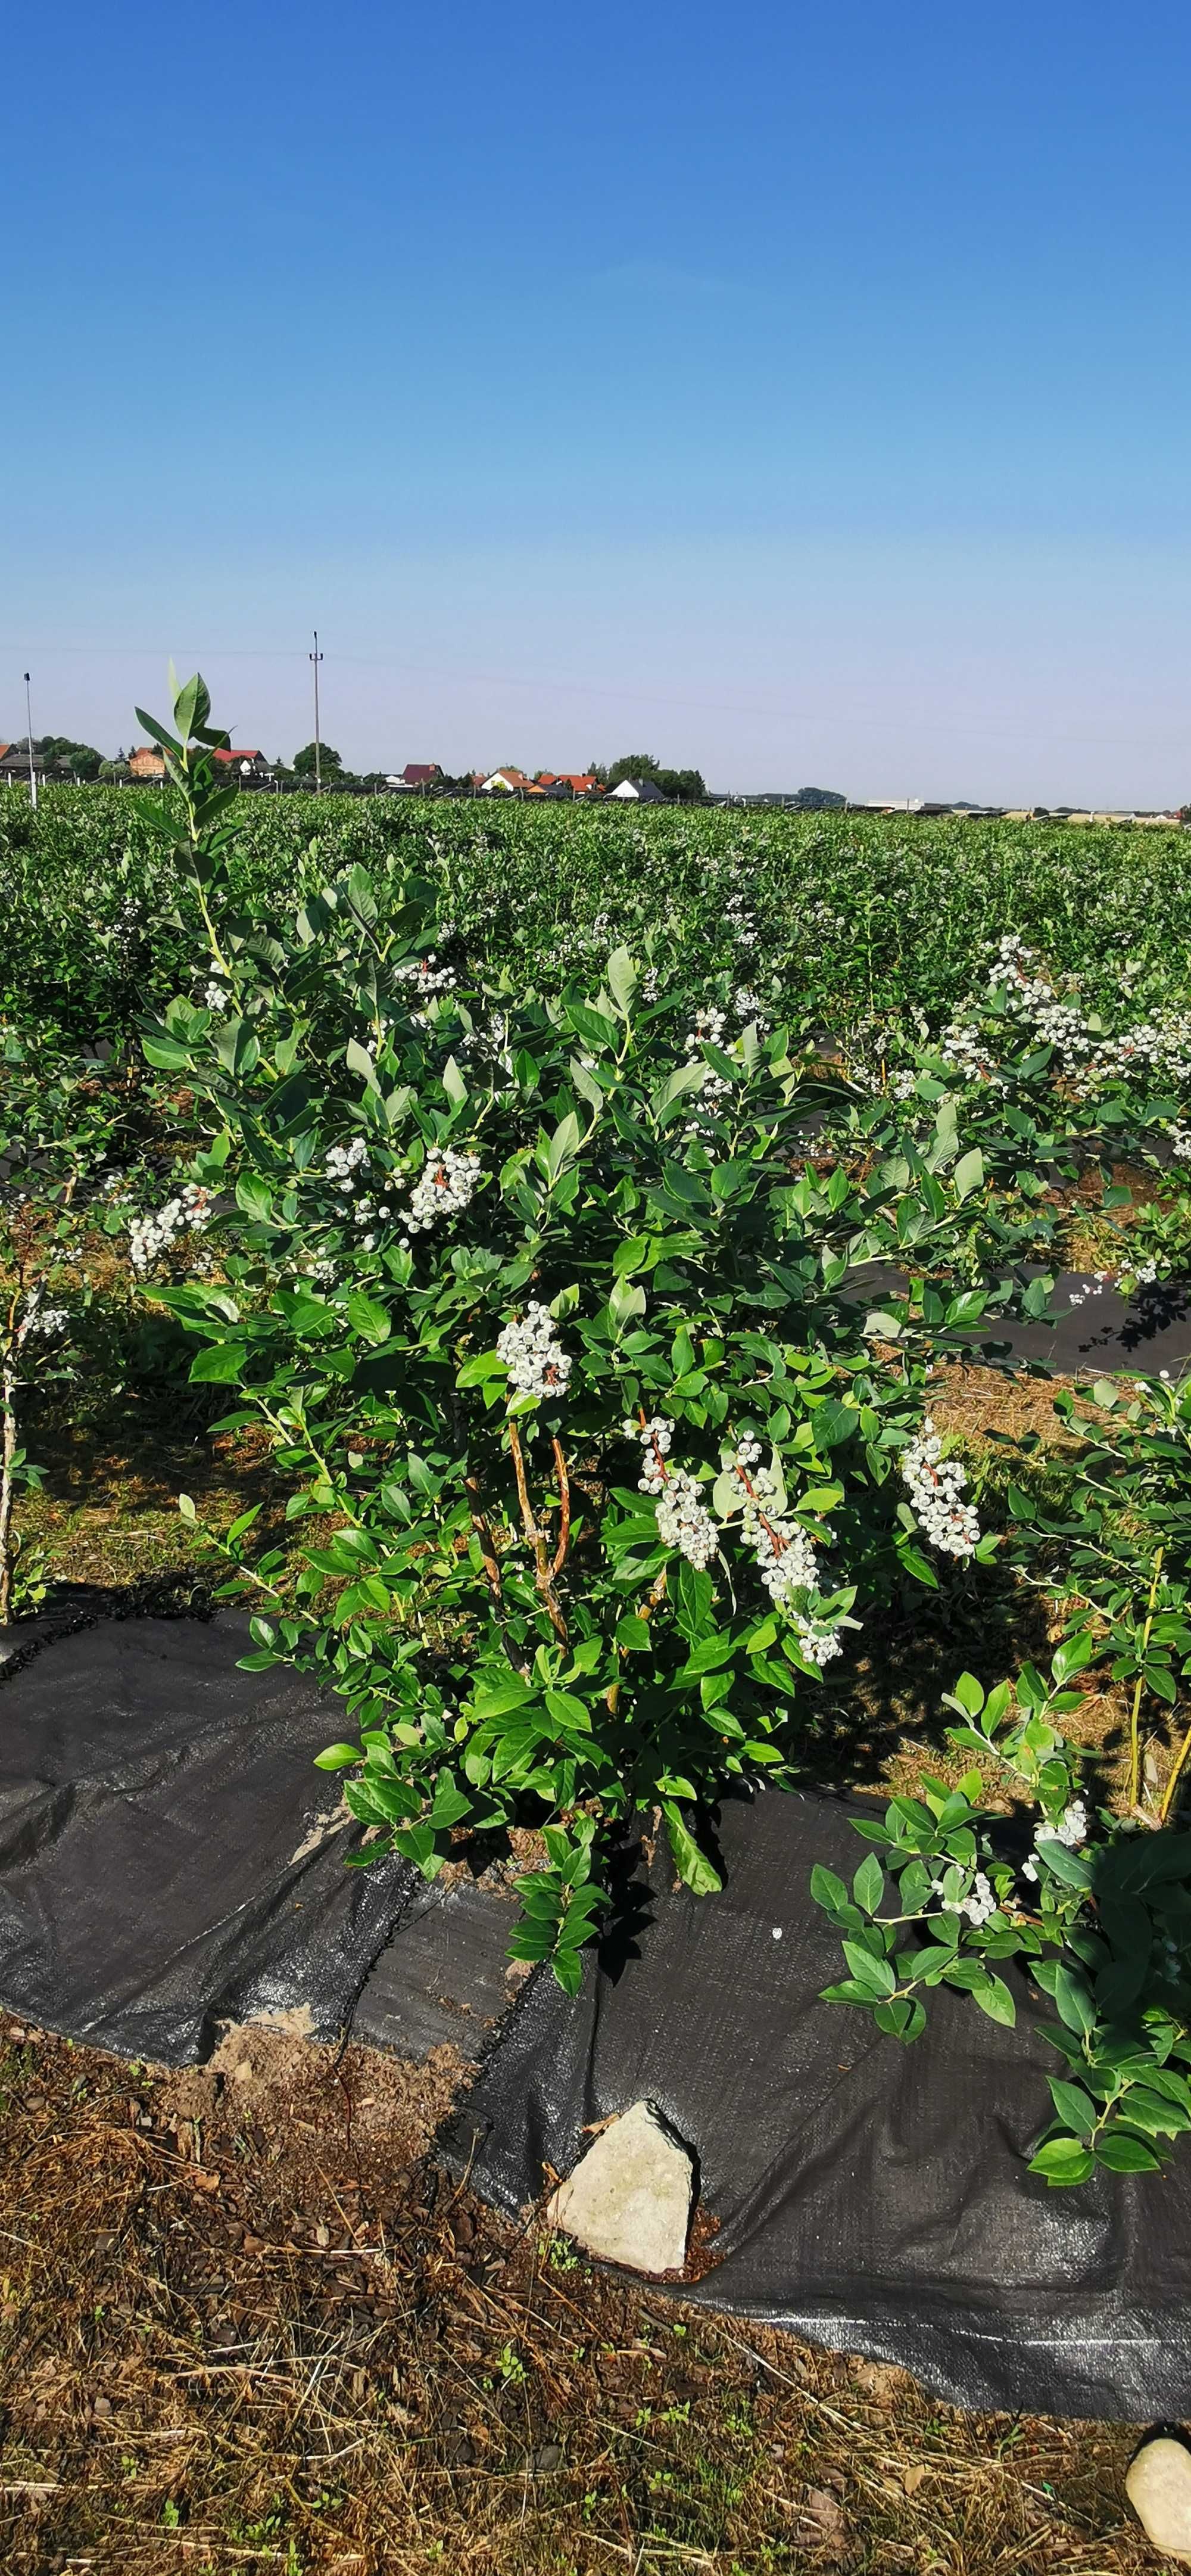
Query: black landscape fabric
(870, 2197)
(168, 1856)
(1098, 1332)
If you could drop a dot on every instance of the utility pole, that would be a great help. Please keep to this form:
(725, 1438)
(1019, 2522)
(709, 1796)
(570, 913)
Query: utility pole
(316, 658)
(29, 740)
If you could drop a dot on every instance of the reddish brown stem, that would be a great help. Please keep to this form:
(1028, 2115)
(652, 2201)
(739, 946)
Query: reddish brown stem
(537, 1539)
(564, 1526)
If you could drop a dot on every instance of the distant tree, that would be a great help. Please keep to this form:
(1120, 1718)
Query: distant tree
(82, 757)
(819, 800)
(684, 785)
(329, 761)
(635, 764)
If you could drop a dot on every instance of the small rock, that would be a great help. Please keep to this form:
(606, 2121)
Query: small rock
(243, 2073)
(547, 2456)
(102, 2406)
(1158, 2485)
(629, 2197)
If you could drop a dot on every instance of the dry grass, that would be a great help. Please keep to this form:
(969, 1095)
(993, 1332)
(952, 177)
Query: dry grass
(245, 2326)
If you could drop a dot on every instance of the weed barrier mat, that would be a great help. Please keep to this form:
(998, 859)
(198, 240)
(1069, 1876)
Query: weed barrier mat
(1098, 1332)
(169, 1859)
(870, 2198)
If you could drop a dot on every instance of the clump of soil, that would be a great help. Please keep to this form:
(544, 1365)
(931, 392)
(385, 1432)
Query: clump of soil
(271, 2080)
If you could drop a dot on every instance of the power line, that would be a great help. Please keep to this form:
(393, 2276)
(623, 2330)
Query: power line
(755, 705)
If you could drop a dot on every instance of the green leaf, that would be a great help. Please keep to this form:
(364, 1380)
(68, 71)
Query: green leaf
(868, 1885)
(1073, 2105)
(1123, 2154)
(632, 1635)
(874, 1973)
(563, 1147)
(692, 1865)
(968, 1174)
(450, 1804)
(622, 980)
(368, 1317)
(1074, 2002)
(477, 1371)
(695, 1593)
(219, 1365)
(1062, 2160)
(337, 1757)
(995, 2000)
(904, 2020)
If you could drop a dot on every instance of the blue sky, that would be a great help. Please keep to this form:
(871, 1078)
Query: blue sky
(797, 391)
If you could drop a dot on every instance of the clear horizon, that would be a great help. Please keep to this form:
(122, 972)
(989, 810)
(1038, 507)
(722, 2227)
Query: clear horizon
(803, 400)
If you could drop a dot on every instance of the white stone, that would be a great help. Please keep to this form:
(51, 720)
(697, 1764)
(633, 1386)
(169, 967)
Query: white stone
(1158, 2486)
(629, 2198)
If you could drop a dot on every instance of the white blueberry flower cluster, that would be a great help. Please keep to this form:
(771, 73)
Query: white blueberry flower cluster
(189, 1213)
(784, 1551)
(682, 1518)
(709, 1028)
(1013, 966)
(741, 923)
(344, 1161)
(935, 1485)
(749, 1008)
(444, 1187)
(39, 1321)
(491, 1041)
(1161, 1045)
(818, 1644)
(533, 1355)
(426, 975)
(903, 1085)
(1095, 1287)
(962, 1050)
(1071, 1831)
(978, 1904)
(214, 996)
(1142, 1275)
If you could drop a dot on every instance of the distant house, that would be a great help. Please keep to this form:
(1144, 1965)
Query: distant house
(574, 782)
(251, 767)
(14, 765)
(637, 791)
(146, 762)
(509, 782)
(419, 773)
